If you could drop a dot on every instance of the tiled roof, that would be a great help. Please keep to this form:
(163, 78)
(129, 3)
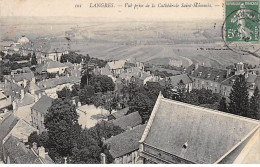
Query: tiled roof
(135, 72)
(130, 120)
(21, 76)
(207, 134)
(207, 73)
(125, 142)
(116, 64)
(28, 99)
(176, 79)
(174, 72)
(6, 125)
(2, 96)
(50, 65)
(69, 64)
(55, 64)
(252, 78)
(18, 153)
(120, 113)
(6, 43)
(53, 82)
(22, 130)
(42, 104)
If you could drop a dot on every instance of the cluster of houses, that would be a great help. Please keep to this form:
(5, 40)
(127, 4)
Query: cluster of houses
(175, 133)
(43, 49)
(180, 133)
(24, 100)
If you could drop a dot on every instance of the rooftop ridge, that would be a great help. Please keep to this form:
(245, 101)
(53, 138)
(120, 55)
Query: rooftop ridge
(241, 141)
(215, 111)
(150, 121)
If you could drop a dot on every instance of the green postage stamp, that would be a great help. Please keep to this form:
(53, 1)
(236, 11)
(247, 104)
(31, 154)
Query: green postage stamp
(242, 21)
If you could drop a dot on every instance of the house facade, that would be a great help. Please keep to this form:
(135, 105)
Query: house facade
(38, 112)
(124, 148)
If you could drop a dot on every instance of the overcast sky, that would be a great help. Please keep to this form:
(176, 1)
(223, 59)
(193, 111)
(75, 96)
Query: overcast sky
(67, 8)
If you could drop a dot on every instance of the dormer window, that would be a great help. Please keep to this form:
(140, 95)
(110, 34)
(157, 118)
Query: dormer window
(185, 145)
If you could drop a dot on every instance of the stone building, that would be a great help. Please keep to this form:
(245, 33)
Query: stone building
(124, 148)
(181, 133)
(38, 111)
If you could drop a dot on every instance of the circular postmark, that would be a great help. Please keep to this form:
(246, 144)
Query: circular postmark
(240, 31)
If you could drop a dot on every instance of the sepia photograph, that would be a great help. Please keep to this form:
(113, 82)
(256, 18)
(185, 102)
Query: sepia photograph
(129, 82)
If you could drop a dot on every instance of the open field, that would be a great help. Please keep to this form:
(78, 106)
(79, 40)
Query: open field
(145, 41)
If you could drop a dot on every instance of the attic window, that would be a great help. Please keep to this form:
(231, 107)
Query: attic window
(185, 145)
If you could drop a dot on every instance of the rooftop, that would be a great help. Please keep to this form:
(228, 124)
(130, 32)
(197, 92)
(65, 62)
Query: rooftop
(130, 120)
(176, 79)
(19, 154)
(125, 142)
(121, 113)
(21, 131)
(28, 99)
(116, 64)
(207, 73)
(205, 132)
(42, 104)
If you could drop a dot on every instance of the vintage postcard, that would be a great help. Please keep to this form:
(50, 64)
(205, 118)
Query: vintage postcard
(129, 82)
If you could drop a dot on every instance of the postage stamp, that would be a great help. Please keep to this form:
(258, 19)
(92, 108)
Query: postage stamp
(242, 21)
(240, 30)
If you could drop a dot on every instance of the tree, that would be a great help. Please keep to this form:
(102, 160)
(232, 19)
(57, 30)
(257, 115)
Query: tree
(33, 60)
(90, 143)
(223, 105)
(61, 122)
(33, 138)
(181, 91)
(40, 139)
(143, 104)
(111, 102)
(64, 93)
(239, 104)
(86, 94)
(75, 90)
(99, 100)
(102, 83)
(254, 110)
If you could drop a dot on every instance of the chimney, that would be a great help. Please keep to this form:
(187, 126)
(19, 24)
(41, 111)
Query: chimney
(79, 104)
(196, 66)
(65, 160)
(33, 80)
(12, 74)
(14, 105)
(22, 94)
(42, 152)
(24, 83)
(36, 98)
(34, 146)
(228, 72)
(246, 75)
(103, 158)
(73, 101)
